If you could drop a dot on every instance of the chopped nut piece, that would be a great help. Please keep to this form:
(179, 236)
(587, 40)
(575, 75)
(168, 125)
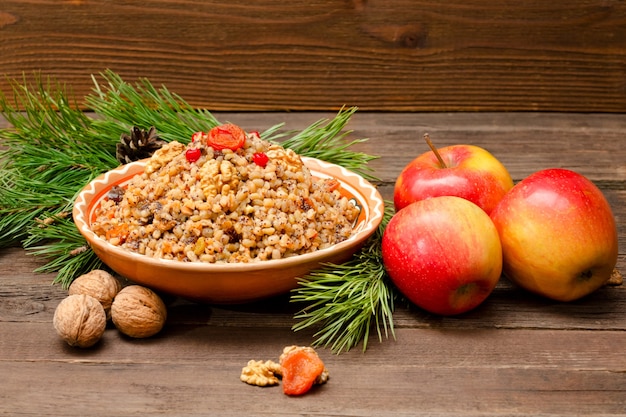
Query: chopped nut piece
(261, 374)
(323, 377)
(616, 278)
(164, 155)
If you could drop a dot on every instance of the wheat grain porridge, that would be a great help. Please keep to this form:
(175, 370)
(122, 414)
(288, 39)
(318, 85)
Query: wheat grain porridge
(224, 200)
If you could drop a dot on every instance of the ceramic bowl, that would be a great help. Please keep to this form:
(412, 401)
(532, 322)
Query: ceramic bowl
(227, 283)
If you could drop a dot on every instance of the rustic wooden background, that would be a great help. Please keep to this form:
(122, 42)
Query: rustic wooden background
(391, 55)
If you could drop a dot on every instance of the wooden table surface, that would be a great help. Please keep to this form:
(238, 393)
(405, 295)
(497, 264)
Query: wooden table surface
(472, 55)
(517, 354)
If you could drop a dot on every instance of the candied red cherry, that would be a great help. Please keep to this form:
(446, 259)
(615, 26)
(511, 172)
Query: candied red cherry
(261, 159)
(193, 154)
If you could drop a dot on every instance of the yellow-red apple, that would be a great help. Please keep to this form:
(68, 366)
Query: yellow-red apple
(465, 171)
(558, 234)
(443, 254)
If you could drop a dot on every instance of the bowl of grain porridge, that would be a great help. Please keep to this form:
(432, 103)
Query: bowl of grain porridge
(226, 221)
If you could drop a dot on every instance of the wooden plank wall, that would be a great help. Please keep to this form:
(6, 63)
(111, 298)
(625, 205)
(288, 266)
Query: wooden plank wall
(388, 55)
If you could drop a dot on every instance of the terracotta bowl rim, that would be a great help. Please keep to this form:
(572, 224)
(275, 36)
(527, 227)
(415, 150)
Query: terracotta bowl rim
(375, 207)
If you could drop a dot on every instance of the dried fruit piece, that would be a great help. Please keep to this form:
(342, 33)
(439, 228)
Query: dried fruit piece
(332, 184)
(119, 233)
(116, 193)
(193, 154)
(80, 320)
(227, 136)
(261, 159)
(100, 285)
(138, 311)
(301, 368)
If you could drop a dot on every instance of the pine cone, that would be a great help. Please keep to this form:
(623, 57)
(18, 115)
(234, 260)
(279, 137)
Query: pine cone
(138, 145)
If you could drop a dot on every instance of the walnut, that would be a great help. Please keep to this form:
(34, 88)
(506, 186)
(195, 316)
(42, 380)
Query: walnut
(289, 159)
(138, 311)
(217, 177)
(80, 320)
(100, 285)
(163, 156)
(261, 374)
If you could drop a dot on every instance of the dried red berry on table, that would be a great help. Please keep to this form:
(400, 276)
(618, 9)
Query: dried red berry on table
(193, 154)
(227, 136)
(261, 159)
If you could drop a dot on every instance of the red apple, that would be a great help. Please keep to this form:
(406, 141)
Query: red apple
(470, 172)
(443, 254)
(558, 234)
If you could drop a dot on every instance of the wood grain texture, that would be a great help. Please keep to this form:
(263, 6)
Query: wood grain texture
(427, 372)
(515, 355)
(475, 55)
(592, 144)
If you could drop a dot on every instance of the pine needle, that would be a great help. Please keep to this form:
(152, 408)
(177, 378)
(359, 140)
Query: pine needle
(69, 255)
(326, 140)
(49, 155)
(345, 301)
(122, 105)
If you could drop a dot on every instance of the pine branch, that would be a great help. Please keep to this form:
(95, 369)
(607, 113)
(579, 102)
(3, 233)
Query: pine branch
(345, 301)
(121, 105)
(50, 153)
(326, 140)
(54, 149)
(69, 255)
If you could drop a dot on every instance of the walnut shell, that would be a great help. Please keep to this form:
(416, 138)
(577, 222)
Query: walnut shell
(99, 284)
(80, 320)
(138, 311)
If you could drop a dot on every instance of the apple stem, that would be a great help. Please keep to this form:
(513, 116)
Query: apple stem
(435, 151)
